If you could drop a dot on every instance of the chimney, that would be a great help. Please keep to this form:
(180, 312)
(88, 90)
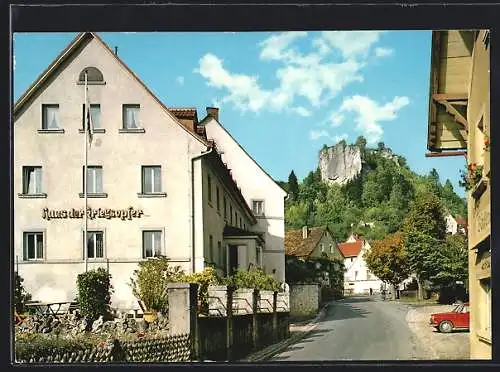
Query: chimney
(213, 112)
(304, 232)
(116, 50)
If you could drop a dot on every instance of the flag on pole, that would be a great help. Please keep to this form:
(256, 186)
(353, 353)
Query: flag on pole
(89, 128)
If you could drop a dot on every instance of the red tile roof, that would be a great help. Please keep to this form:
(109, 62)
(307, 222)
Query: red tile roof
(350, 249)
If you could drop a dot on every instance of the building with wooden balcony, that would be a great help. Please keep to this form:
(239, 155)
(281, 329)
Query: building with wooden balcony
(459, 124)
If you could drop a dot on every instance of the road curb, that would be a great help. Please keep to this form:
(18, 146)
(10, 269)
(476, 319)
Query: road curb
(282, 345)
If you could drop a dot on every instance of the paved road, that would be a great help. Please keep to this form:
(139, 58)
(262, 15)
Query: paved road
(359, 328)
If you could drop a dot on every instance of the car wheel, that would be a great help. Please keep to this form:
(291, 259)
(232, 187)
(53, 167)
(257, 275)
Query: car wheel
(445, 326)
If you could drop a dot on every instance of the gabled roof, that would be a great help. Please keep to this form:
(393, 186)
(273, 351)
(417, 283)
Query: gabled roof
(79, 42)
(351, 249)
(205, 120)
(296, 245)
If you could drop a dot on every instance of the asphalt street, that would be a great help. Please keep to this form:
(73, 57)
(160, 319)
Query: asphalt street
(358, 328)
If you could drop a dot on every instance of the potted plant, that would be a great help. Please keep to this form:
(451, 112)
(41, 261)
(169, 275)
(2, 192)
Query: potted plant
(486, 143)
(472, 176)
(149, 285)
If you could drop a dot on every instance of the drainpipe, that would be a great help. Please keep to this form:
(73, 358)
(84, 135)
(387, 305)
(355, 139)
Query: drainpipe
(193, 251)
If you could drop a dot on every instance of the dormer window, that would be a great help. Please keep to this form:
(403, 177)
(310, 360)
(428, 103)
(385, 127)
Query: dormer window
(94, 76)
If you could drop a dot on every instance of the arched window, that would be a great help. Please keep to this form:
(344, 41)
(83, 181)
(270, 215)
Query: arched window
(94, 76)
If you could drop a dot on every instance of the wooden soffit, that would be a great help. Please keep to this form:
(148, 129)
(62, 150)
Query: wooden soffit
(451, 59)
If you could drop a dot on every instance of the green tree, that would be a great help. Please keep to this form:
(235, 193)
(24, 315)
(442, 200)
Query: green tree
(424, 231)
(361, 143)
(453, 266)
(387, 260)
(293, 186)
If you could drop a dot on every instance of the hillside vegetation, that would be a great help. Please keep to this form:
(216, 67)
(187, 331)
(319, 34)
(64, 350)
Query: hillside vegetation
(374, 204)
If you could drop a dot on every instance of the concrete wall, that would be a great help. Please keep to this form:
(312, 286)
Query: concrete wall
(304, 299)
(255, 184)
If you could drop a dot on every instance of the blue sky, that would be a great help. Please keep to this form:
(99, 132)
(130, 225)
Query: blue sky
(281, 95)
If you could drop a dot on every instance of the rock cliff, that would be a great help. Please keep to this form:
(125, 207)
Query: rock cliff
(341, 163)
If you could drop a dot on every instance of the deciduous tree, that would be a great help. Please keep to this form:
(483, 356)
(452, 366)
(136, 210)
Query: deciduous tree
(387, 259)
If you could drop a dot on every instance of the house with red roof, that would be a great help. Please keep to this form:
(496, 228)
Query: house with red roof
(357, 278)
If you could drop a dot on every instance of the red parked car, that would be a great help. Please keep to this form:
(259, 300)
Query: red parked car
(458, 318)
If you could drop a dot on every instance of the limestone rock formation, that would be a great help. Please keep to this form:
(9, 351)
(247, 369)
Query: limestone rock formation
(340, 163)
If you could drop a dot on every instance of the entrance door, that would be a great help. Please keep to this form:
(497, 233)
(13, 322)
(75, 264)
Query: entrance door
(233, 259)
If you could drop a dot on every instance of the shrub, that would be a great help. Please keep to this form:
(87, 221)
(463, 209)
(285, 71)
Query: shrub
(150, 280)
(254, 278)
(204, 278)
(94, 293)
(38, 345)
(20, 294)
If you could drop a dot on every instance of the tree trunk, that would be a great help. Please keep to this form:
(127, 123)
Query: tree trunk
(420, 292)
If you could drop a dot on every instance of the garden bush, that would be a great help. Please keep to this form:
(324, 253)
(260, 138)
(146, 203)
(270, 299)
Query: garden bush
(38, 345)
(254, 278)
(204, 279)
(20, 294)
(94, 293)
(150, 280)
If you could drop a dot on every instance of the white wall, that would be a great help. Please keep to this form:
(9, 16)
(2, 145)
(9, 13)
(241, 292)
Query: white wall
(362, 283)
(255, 184)
(164, 143)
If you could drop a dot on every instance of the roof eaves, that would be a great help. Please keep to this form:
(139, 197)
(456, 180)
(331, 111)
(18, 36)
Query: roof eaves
(206, 119)
(33, 88)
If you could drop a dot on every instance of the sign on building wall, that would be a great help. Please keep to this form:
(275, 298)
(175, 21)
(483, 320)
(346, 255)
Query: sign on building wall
(124, 214)
(481, 219)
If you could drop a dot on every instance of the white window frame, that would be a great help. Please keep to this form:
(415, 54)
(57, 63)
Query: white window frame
(45, 124)
(94, 232)
(125, 123)
(94, 187)
(95, 115)
(154, 232)
(33, 233)
(151, 171)
(258, 207)
(322, 247)
(38, 180)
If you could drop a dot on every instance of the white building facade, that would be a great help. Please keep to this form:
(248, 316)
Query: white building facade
(154, 186)
(260, 191)
(358, 279)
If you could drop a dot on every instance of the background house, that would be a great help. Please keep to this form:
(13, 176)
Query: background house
(357, 278)
(311, 242)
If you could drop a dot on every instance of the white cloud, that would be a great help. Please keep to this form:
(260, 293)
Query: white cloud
(274, 47)
(180, 80)
(336, 119)
(369, 114)
(301, 111)
(317, 134)
(350, 43)
(335, 61)
(383, 52)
